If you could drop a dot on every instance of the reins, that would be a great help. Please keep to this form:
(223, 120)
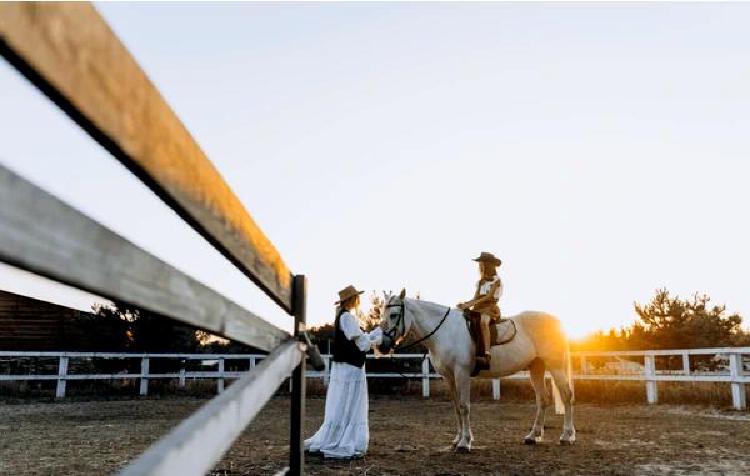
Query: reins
(401, 321)
(418, 341)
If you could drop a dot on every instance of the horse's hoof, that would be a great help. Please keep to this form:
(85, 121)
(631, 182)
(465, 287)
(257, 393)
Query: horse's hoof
(463, 449)
(532, 439)
(567, 442)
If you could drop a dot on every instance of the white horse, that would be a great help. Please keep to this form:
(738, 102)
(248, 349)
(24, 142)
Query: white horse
(539, 344)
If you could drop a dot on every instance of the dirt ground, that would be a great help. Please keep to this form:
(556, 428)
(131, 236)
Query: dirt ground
(408, 437)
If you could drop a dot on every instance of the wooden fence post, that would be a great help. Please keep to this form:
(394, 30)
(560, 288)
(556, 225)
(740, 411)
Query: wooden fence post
(426, 378)
(739, 397)
(652, 393)
(62, 371)
(584, 365)
(297, 420)
(686, 363)
(182, 373)
(144, 378)
(220, 381)
(496, 389)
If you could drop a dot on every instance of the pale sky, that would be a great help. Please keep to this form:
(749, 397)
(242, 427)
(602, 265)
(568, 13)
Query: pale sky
(601, 150)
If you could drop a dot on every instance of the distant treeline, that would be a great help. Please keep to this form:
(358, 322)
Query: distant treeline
(136, 330)
(670, 322)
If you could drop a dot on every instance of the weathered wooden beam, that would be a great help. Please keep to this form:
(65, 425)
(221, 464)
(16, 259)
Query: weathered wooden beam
(42, 234)
(69, 52)
(194, 446)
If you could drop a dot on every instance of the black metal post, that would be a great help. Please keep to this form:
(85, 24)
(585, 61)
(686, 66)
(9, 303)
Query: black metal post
(297, 423)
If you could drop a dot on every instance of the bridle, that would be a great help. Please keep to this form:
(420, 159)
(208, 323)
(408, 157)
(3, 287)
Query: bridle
(401, 320)
(391, 333)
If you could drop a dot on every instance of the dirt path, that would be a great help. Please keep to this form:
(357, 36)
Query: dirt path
(407, 437)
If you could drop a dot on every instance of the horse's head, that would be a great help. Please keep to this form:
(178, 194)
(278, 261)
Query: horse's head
(393, 321)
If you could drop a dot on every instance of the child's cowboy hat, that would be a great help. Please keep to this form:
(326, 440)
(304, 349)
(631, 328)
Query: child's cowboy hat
(487, 257)
(347, 293)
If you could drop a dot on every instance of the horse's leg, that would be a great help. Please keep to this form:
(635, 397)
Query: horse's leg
(463, 389)
(563, 382)
(451, 381)
(536, 375)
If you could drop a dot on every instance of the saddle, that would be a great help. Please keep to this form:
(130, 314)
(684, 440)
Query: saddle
(502, 331)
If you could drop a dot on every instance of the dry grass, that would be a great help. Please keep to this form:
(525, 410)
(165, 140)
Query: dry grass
(587, 391)
(108, 390)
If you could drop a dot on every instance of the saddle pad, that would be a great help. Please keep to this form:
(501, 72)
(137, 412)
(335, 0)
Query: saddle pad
(502, 332)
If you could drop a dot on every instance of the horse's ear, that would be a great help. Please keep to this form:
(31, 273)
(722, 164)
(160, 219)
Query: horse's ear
(403, 294)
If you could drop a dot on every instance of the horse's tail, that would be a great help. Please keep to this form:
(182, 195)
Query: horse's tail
(558, 392)
(567, 364)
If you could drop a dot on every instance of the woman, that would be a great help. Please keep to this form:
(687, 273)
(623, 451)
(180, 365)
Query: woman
(345, 432)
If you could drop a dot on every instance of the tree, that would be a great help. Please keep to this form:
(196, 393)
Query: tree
(100, 331)
(672, 323)
(371, 319)
(667, 322)
(145, 331)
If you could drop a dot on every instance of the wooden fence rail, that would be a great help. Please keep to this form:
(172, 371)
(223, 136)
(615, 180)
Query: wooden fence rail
(72, 56)
(40, 233)
(70, 53)
(195, 444)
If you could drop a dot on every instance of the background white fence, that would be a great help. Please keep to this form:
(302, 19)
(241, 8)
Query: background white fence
(729, 365)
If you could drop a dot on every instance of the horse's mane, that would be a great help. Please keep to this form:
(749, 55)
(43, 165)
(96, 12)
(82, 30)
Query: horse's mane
(429, 304)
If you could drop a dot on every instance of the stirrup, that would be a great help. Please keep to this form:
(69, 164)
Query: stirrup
(481, 362)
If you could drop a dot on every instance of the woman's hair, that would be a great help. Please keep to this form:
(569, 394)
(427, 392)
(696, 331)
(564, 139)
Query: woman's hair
(346, 305)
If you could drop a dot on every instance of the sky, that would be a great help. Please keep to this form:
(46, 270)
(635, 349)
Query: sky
(601, 150)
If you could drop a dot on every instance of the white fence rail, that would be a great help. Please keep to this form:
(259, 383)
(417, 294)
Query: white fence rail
(735, 372)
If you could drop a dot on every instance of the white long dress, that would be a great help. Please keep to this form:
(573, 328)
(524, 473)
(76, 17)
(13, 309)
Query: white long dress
(345, 432)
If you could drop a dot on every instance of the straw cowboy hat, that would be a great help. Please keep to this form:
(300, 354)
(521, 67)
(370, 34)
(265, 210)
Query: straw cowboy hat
(347, 293)
(487, 257)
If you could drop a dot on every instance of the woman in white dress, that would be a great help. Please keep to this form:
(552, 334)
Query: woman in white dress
(345, 432)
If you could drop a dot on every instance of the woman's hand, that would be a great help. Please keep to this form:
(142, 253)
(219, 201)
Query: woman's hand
(376, 336)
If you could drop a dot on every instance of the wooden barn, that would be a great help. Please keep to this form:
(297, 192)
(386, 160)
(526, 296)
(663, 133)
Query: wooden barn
(30, 324)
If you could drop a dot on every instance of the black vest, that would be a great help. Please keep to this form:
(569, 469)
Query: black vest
(346, 350)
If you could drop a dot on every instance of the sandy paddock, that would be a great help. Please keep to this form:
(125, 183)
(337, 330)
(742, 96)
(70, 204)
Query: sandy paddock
(407, 437)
